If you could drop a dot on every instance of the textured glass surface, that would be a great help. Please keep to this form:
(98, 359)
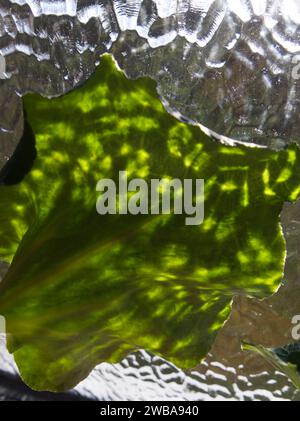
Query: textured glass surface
(229, 65)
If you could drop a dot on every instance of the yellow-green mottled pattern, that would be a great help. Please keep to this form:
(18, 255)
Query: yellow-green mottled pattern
(85, 288)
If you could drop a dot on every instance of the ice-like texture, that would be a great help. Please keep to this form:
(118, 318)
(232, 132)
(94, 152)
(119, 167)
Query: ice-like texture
(229, 65)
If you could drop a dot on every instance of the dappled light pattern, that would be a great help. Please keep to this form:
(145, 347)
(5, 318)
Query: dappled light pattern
(84, 288)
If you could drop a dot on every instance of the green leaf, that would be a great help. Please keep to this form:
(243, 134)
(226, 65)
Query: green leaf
(84, 288)
(285, 359)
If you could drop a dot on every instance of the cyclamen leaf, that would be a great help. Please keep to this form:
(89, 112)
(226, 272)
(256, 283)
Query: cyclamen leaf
(84, 288)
